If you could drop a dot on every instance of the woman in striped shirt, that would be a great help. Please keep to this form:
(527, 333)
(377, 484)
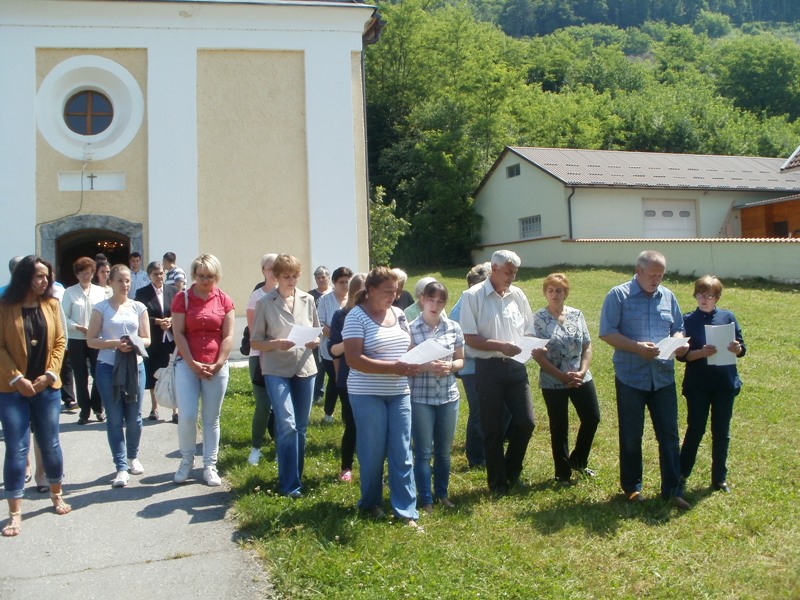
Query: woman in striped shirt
(375, 336)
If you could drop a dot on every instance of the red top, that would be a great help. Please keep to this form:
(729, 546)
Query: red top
(203, 328)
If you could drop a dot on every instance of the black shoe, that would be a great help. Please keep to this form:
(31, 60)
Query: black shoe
(72, 405)
(722, 487)
(82, 421)
(680, 503)
(175, 418)
(101, 417)
(153, 415)
(563, 482)
(499, 492)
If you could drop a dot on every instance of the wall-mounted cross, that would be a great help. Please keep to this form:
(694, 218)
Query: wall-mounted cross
(91, 177)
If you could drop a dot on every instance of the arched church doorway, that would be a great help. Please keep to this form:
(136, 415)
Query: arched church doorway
(88, 242)
(64, 240)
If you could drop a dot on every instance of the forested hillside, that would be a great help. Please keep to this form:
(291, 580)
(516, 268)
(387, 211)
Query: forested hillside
(448, 88)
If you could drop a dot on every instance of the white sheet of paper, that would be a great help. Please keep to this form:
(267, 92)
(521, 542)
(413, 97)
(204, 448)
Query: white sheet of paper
(529, 344)
(721, 336)
(302, 334)
(426, 352)
(668, 345)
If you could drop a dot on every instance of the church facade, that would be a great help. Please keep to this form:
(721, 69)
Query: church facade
(227, 128)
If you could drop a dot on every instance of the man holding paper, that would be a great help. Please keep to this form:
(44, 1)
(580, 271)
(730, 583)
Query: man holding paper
(495, 317)
(635, 317)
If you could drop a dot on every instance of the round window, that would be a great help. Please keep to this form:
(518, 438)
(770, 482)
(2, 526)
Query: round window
(88, 113)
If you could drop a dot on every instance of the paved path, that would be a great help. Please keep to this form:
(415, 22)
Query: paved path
(152, 539)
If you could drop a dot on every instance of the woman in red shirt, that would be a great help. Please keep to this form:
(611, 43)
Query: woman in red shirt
(202, 323)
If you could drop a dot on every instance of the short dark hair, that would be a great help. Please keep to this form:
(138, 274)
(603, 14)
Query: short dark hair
(341, 272)
(22, 277)
(169, 257)
(135, 255)
(154, 266)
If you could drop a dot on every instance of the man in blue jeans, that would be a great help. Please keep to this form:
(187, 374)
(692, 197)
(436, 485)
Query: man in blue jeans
(635, 316)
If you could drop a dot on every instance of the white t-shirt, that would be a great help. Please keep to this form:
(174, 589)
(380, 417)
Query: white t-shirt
(116, 323)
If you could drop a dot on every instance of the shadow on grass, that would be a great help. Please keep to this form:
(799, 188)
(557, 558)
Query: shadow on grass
(598, 517)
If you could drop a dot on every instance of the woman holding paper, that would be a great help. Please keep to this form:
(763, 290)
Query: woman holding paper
(434, 397)
(288, 369)
(564, 376)
(375, 337)
(709, 387)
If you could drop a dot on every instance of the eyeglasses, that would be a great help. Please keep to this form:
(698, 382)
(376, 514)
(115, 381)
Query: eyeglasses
(205, 277)
(705, 296)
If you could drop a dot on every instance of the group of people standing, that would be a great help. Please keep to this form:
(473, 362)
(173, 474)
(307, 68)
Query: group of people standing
(396, 411)
(111, 336)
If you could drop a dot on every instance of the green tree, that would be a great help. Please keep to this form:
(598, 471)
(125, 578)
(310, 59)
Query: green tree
(760, 73)
(385, 228)
(714, 25)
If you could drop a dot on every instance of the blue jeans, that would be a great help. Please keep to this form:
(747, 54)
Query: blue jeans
(432, 428)
(383, 426)
(189, 388)
(118, 412)
(16, 414)
(663, 407)
(474, 443)
(698, 403)
(291, 404)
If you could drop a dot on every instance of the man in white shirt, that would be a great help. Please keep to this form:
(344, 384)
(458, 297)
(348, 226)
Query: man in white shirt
(495, 315)
(139, 278)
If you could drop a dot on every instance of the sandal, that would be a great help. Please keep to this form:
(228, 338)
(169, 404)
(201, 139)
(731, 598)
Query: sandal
(13, 527)
(61, 507)
(153, 415)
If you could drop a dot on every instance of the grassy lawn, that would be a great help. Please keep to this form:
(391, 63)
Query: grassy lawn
(548, 542)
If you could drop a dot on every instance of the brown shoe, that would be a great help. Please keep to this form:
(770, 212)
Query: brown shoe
(635, 497)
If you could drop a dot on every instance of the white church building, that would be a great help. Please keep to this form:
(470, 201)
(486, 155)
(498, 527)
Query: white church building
(232, 128)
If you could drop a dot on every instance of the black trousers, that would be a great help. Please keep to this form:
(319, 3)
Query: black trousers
(503, 385)
(557, 401)
(83, 361)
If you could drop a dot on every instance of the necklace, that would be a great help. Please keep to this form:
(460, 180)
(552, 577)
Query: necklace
(29, 315)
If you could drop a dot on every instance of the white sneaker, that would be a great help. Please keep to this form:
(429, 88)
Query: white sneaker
(121, 480)
(182, 474)
(211, 476)
(136, 467)
(327, 419)
(255, 456)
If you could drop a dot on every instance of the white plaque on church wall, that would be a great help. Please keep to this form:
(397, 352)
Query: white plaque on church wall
(91, 181)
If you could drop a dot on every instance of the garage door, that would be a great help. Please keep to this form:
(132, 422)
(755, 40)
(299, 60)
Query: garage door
(669, 218)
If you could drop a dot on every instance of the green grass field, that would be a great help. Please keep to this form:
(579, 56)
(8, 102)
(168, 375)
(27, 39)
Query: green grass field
(549, 542)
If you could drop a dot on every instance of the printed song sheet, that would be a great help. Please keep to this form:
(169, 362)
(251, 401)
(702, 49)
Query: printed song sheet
(302, 334)
(721, 336)
(528, 344)
(668, 345)
(427, 351)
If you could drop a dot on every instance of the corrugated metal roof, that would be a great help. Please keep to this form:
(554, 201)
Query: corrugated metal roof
(770, 201)
(793, 162)
(611, 168)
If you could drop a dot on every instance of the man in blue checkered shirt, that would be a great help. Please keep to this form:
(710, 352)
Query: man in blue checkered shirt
(635, 316)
